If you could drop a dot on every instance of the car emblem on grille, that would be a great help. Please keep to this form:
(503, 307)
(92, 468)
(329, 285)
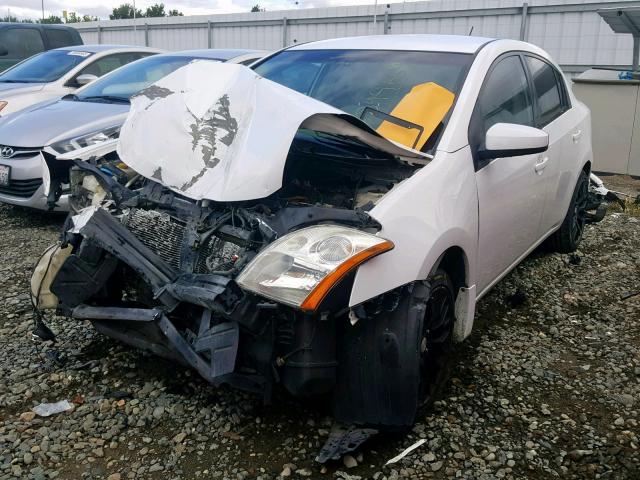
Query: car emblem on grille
(6, 152)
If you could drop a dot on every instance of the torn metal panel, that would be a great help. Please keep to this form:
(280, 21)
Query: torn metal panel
(207, 131)
(343, 439)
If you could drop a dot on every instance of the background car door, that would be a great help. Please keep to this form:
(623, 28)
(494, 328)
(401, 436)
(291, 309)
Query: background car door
(511, 193)
(18, 43)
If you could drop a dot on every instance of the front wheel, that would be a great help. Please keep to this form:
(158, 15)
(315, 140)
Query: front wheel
(399, 359)
(568, 237)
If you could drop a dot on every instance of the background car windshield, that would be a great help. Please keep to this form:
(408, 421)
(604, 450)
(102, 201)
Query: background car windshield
(129, 80)
(352, 80)
(44, 67)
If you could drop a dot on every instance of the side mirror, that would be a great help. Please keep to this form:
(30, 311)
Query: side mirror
(512, 140)
(4, 51)
(85, 79)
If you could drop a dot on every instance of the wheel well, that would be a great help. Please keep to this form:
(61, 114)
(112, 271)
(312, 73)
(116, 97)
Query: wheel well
(454, 262)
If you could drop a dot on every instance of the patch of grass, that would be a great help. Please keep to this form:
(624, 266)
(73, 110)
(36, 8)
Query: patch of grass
(631, 207)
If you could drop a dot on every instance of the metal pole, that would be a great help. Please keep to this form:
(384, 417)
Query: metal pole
(375, 14)
(284, 32)
(42, 3)
(99, 34)
(134, 17)
(146, 34)
(209, 41)
(386, 22)
(523, 22)
(636, 52)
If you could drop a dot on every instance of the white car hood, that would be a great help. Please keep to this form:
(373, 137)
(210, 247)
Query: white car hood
(221, 132)
(19, 88)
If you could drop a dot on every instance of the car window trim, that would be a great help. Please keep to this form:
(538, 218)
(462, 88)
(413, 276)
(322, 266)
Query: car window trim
(475, 124)
(565, 103)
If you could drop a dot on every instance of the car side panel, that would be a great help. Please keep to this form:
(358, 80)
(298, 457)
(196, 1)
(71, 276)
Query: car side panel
(433, 210)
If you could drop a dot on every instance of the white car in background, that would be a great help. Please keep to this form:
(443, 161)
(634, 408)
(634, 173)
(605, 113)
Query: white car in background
(61, 71)
(327, 221)
(91, 116)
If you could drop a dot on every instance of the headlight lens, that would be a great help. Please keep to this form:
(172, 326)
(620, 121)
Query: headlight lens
(300, 268)
(86, 140)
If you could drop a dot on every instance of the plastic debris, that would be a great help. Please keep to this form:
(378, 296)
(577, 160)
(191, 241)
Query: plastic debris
(407, 451)
(343, 439)
(48, 409)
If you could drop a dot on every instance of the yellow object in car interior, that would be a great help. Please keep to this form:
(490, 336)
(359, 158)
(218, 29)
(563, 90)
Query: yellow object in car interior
(425, 105)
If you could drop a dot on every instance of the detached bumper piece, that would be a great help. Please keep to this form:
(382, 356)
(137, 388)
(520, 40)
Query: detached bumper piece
(218, 343)
(211, 348)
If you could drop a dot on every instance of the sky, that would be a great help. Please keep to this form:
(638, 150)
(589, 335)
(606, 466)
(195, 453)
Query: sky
(102, 8)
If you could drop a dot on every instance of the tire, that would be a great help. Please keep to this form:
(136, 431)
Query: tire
(568, 237)
(396, 361)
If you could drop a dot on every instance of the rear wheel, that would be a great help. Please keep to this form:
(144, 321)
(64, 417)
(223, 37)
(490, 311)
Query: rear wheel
(398, 360)
(568, 237)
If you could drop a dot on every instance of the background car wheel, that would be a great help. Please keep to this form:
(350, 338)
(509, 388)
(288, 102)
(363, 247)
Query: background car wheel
(567, 238)
(399, 359)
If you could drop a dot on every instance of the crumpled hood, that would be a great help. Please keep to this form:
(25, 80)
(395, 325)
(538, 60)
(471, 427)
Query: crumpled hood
(221, 132)
(7, 89)
(51, 121)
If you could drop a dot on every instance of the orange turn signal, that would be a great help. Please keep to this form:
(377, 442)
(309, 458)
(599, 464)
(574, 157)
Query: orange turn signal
(315, 297)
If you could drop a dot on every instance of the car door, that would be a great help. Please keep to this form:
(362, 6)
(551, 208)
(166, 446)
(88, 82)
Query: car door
(18, 43)
(555, 117)
(511, 193)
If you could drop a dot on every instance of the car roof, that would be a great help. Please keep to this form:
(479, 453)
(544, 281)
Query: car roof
(102, 47)
(35, 25)
(222, 54)
(408, 42)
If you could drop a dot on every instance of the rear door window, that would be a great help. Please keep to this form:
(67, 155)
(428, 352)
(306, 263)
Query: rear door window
(548, 91)
(58, 37)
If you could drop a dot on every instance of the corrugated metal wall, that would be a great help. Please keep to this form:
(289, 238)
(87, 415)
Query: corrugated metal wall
(571, 30)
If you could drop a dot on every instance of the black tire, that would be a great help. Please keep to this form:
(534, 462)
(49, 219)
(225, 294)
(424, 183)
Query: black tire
(394, 362)
(568, 237)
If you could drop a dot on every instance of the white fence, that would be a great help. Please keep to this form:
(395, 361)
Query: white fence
(571, 30)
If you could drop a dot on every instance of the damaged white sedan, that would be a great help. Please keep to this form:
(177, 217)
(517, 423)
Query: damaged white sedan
(326, 221)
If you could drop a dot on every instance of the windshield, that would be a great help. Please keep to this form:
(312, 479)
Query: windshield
(44, 67)
(130, 79)
(416, 88)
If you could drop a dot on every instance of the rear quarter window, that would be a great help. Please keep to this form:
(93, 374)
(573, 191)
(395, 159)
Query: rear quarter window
(20, 42)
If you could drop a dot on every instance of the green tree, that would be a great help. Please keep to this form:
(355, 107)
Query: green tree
(175, 13)
(51, 19)
(73, 17)
(156, 10)
(124, 11)
(257, 8)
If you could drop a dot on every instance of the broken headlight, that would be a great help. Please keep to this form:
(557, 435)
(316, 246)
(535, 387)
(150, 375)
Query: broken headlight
(300, 268)
(82, 141)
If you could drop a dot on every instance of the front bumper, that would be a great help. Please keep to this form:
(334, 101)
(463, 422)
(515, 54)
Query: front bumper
(26, 188)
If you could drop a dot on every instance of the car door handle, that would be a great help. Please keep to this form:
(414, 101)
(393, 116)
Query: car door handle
(576, 136)
(542, 163)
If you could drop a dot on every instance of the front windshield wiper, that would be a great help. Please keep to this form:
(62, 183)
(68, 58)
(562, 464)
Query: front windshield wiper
(15, 81)
(104, 98)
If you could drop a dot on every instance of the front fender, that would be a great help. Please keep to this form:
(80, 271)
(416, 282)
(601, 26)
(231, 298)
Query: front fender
(435, 209)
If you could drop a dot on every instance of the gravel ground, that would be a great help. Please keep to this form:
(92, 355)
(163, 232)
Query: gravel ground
(547, 386)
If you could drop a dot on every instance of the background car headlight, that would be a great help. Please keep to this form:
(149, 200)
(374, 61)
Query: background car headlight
(86, 140)
(300, 268)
